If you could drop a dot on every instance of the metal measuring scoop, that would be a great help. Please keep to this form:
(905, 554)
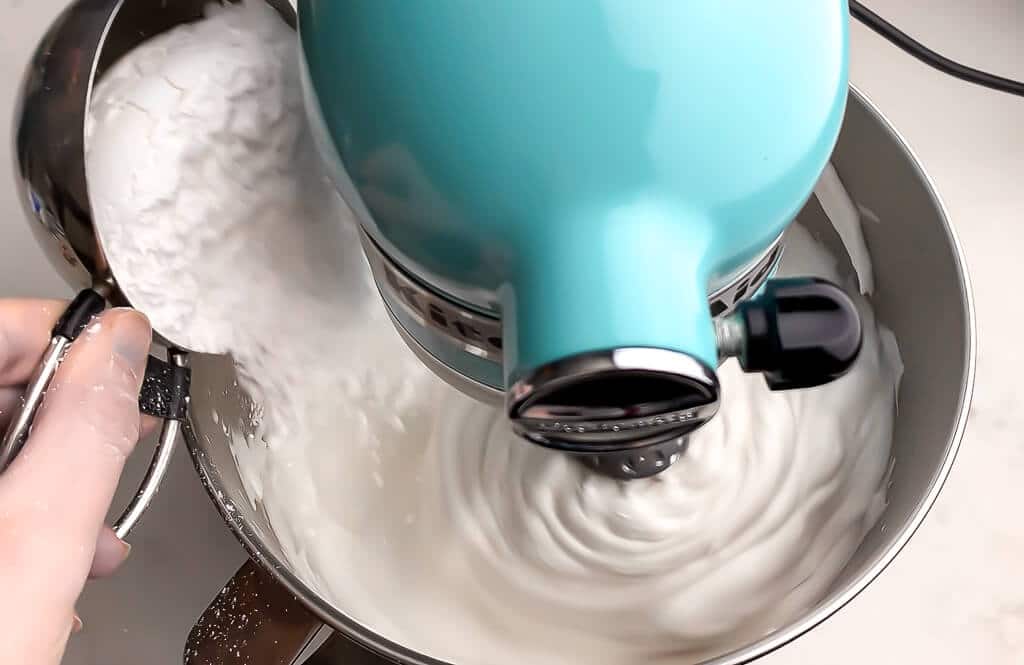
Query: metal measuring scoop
(85, 40)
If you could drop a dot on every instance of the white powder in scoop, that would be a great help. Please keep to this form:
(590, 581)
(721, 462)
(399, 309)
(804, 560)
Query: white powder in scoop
(410, 507)
(205, 186)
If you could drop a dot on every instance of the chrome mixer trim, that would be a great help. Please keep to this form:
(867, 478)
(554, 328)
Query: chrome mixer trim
(481, 335)
(470, 331)
(675, 425)
(691, 400)
(475, 389)
(729, 336)
(746, 283)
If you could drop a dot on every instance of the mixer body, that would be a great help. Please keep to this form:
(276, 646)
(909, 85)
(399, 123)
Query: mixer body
(557, 198)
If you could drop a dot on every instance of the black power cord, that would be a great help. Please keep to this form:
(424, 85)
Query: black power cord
(930, 57)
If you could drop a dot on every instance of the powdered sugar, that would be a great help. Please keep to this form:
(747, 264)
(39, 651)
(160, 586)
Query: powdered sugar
(196, 152)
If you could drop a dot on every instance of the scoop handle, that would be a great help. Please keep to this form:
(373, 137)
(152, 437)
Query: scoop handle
(87, 304)
(800, 333)
(164, 394)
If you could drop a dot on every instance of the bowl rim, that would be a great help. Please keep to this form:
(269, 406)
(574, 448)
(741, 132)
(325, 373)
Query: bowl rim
(369, 639)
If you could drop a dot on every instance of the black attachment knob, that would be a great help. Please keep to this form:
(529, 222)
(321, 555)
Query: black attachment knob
(800, 333)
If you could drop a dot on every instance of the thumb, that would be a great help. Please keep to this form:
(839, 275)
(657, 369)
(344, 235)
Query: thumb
(57, 491)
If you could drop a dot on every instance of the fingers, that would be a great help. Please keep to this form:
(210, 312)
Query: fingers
(89, 421)
(25, 327)
(111, 552)
(59, 488)
(9, 396)
(150, 424)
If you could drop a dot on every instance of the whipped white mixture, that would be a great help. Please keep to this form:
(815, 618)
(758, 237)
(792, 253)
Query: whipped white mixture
(409, 506)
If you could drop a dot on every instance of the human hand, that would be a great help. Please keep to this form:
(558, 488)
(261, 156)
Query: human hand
(55, 494)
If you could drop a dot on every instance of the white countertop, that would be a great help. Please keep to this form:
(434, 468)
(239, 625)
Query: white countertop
(970, 140)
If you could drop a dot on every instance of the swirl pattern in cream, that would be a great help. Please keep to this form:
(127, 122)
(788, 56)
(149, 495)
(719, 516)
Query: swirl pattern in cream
(469, 541)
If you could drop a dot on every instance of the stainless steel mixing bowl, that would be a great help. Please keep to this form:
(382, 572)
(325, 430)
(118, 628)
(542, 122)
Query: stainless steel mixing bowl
(923, 294)
(268, 615)
(49, 156)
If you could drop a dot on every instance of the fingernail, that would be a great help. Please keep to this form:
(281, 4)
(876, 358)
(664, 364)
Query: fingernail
(132, 335)
(111, 552)
(76, 624)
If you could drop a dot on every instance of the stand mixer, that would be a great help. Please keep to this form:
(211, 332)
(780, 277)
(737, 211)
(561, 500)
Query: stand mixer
(927, 437)
(570, 210)
(576, 210)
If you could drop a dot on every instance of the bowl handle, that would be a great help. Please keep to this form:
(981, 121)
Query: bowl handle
(252, 620)
(164, 394)
(162, 453)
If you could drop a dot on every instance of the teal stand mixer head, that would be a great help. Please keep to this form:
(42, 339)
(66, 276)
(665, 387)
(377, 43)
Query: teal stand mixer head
(575, 207)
